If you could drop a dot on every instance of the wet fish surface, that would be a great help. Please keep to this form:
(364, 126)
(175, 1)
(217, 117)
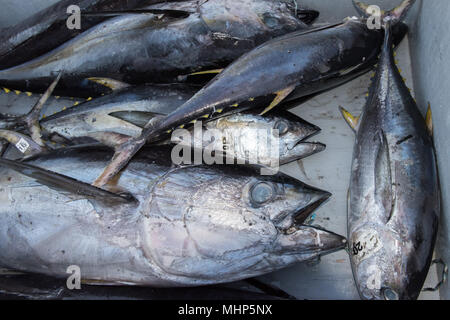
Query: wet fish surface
(187, 226)
(140, 48)
(122, 115)
(299, 64)
(393, 205)
(46, 29)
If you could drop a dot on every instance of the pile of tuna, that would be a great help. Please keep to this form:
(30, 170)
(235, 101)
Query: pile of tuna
(91, 181)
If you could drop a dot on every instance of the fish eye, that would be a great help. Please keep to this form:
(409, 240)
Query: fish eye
(261, 193)
(282, 127)
(270, 20)
(389, 294)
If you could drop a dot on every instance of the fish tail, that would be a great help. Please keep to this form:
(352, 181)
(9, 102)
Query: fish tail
(395, 15)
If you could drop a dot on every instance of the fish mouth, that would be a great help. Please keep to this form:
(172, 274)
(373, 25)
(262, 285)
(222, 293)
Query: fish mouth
(307, 16)
(305, 212)
(312, 241)
(290, 219)
(301, 150)
(334, 243)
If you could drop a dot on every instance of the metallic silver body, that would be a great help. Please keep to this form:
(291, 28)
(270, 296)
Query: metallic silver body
(394, 194)
(192, 225)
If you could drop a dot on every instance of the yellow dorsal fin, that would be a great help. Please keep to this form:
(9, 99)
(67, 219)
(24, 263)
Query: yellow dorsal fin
(351, 120)
(280, 95)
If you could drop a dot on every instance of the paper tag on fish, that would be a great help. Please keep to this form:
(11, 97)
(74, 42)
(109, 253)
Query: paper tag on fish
(22, 145)
(366, 244)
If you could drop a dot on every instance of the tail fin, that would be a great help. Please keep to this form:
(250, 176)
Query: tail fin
(395, 15)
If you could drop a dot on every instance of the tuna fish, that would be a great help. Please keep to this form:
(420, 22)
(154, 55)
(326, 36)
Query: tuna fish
(141, 47)
(47, 29)
(163, 226)
(291, 66)
(114, 118)
(393, 201)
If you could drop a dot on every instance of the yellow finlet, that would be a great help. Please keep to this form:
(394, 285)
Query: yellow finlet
(206, 72)
(280, 95)
(17, 92)
(235, 105)
(193, 121)
(6, 90)
(429, 120)
(251, 99)
(89, 99)
(206, 116)
(351, 120)
(181, 127)
(219, 110)
(76, 103)
(28, 93)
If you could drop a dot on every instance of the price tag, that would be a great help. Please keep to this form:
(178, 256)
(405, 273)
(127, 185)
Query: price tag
(22, 145)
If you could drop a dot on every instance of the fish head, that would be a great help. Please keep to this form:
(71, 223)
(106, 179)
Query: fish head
(387, 266)
(279, 138)
(283, 14)
(248, 18)
(230, 223)
(291, 132)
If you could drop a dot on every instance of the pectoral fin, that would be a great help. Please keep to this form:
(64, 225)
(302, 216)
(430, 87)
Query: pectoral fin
(351, 120)
(137, 118)
(177, 14)
(32, 118)
(214, 71)
(280, 95)
(110, 83)
(383, 178)
(64, 183)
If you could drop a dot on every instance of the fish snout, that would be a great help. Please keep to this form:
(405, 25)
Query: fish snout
(300, 202)
(309, 242)
(301, 150)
